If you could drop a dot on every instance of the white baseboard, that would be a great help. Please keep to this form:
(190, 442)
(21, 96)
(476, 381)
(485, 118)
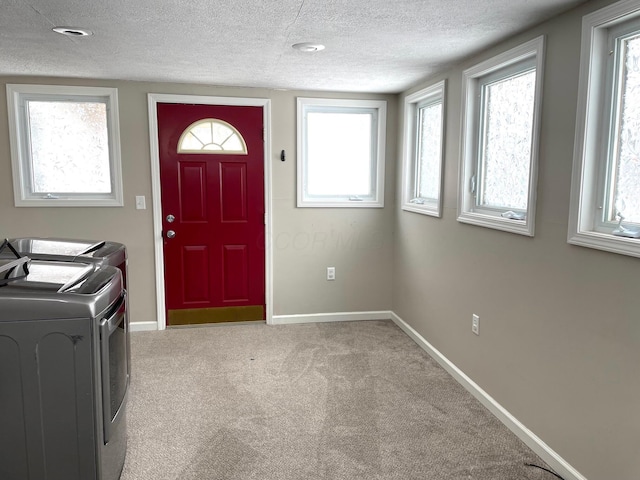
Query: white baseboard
(143, 326)
(331, 317)
(543, 450)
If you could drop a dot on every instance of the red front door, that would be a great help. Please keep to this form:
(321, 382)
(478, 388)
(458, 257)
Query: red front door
(212, 180)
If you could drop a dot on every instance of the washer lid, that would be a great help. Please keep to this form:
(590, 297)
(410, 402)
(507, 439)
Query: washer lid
(56, 246)
(52, 276)
(69, 250)
(60, 290)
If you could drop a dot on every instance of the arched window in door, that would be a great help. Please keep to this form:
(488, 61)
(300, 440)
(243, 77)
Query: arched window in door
(212, 136)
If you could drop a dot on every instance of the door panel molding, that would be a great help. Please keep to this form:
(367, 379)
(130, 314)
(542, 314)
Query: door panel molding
(235, 289)
(152, 100)
(192, 177)
(195, 265)
(233, 208)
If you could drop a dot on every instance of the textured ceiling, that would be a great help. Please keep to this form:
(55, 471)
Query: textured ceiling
(371, 45)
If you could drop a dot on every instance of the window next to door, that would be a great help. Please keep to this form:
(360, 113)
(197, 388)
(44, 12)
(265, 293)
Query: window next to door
(341, 147)
(65, 146)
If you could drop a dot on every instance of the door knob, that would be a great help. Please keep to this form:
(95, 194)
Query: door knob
(171, 234)
(170, 218)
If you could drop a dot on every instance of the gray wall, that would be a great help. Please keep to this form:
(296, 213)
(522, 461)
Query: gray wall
(559, 343)
(358, 242)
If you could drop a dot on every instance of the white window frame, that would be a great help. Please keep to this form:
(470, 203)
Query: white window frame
(376, 200)
(590, 159)
(532, 51)
(431, 95)
(24, 196)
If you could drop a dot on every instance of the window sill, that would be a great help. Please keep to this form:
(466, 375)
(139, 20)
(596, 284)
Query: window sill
(428, 208)
(68, 202)
(520, 227)
(606, 242)
(347, 204)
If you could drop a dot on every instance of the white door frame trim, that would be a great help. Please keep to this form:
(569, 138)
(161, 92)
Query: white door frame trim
(153, 100)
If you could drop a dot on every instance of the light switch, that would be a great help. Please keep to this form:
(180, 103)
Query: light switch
(141, 203)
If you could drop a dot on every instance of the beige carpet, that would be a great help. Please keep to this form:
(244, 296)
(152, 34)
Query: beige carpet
(356, 400)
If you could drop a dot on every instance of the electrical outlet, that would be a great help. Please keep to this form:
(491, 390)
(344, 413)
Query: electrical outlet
(331, 273)
(475, 324)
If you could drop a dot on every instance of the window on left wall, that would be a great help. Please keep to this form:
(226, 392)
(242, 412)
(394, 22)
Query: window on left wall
(65, 146)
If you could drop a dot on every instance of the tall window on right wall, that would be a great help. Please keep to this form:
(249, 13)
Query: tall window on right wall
(423, 150)
(605, 190)
(499, 162)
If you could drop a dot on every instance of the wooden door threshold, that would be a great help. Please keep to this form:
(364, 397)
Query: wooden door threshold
(200, 316)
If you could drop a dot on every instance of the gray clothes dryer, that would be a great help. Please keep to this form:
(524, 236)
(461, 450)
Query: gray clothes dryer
(95, 252)
(63, 371)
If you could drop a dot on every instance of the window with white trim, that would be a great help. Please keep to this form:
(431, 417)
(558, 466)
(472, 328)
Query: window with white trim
(212, 136)
(423, 150)
(65, 145)
(605, 189)
(341, 147)
(499, 162)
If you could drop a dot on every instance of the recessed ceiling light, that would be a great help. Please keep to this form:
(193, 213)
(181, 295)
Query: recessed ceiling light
(308, 47)
(73, 32)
